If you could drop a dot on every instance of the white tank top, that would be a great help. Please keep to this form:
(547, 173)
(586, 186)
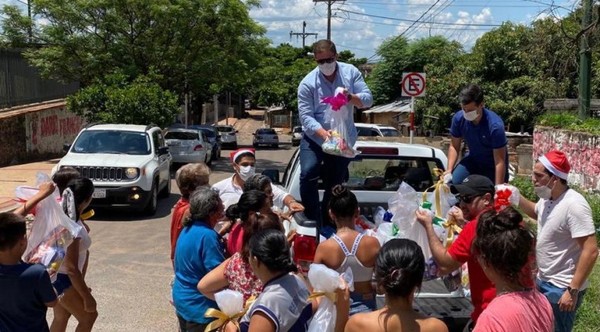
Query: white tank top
(84, 245)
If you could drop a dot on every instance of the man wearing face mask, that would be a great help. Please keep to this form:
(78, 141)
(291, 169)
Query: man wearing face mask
(483, 132)
(566, 248)
(314, 163)
(475, 196)
(230, 189)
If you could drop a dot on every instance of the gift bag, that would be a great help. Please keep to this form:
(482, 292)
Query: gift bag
(231, 309)
(337, 114)
(324, 281)
(52, 231)
(404, 205)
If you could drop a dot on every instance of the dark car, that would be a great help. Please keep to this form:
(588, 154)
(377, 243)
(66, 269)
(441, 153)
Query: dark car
(214, 138)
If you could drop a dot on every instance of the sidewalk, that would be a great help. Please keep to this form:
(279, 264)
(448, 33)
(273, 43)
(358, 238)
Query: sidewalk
(20, 175)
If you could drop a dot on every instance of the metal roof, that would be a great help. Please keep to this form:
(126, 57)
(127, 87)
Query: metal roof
(402, 106)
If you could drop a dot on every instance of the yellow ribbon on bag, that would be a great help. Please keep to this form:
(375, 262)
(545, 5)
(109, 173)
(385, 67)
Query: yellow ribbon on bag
(451, 228)
(439, 187)
(330, 295)
(221, 319)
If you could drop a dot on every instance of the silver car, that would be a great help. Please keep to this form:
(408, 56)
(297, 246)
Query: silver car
(265, 136)
(188, 146)
(228, 136)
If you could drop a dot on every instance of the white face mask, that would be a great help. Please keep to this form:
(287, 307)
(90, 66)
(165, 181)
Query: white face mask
(470, 116)
(246, 172)
(327, 68)
(543, 192)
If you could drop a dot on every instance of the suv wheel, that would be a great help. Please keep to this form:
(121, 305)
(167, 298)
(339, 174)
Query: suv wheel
(166, 190)
(150, 208)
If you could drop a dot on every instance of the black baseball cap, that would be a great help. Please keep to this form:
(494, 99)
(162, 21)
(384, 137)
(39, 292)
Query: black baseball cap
(474, 185)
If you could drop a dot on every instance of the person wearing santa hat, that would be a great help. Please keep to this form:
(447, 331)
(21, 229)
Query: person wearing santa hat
(566, 247)
(243, 161)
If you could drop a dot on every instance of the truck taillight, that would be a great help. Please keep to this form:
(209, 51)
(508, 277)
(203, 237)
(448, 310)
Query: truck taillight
(198, 147)
(378, 151)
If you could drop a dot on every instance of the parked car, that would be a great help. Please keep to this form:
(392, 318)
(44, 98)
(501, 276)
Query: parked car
(214, 138)
(376, 130)
(296, 135)
(265, 136)
(188, 145)
(128, 164)
(228, 136)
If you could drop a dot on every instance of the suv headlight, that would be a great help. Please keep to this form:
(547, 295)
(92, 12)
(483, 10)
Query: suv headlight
(131, 172)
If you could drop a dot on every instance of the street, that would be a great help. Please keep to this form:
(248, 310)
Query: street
(130, 270)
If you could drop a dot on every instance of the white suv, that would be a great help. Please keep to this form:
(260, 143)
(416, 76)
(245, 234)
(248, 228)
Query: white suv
(376, 130)
(129, 164)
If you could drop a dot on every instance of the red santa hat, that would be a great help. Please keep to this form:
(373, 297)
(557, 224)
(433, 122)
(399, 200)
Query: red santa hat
(556, 162)
(234, 155)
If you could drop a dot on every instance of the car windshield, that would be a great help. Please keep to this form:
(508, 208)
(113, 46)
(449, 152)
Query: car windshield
(390, 132)
(266, 131)
(182, 135)
(225, 129)
(209, 132)
(112, 141)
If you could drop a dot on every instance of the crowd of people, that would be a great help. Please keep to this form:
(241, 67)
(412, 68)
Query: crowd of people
(231, 235)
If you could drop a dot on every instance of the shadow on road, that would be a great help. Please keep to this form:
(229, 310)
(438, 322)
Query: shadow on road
(128, 214)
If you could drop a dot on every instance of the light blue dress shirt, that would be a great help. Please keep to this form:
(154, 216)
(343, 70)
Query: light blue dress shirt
(315, 87)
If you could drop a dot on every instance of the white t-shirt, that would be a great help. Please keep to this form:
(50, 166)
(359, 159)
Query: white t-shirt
(560, 222)
(230, 193)
(85, 243)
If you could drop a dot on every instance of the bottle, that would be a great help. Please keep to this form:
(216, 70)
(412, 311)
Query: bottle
(305, 244)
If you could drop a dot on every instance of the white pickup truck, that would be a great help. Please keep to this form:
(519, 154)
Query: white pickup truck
(374, 176)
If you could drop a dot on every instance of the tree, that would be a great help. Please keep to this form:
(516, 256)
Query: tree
(200, 46)
(116, 99)
(15, 27)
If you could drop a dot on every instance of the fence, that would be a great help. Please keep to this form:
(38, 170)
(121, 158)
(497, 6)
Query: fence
(21, 84)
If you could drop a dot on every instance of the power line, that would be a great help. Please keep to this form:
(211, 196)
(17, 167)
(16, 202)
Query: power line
(395, 24)
(417, 21)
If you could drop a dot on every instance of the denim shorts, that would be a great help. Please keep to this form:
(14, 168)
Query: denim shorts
(62, 283)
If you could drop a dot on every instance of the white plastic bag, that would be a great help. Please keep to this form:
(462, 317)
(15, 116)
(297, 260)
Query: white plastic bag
(230, 302)
(336, 114)
(51, 233)
(404, 205)
(324, 279)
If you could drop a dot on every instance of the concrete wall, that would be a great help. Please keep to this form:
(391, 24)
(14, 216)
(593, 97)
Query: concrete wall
(37, 131)
(582, 150)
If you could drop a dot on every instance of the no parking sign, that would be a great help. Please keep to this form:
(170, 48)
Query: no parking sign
(413, 84)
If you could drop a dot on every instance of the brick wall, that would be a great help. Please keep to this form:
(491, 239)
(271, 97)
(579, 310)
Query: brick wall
(36, 132)
(582, 150)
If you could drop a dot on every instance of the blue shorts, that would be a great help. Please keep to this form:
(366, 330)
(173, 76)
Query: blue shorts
(62, 283)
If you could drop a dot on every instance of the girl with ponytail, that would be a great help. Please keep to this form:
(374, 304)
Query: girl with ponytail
(504, 246)
(399, 273)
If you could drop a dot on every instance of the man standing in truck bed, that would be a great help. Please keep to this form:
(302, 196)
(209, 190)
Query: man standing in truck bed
(319, 83)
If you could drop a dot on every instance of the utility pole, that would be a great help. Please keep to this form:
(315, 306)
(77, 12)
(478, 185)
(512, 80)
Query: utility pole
(585, 62)
(29, 29)
(304, 34)
(329, 3)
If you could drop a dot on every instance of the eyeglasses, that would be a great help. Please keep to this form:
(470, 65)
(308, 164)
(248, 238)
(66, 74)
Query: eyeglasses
(466, 199)
(328, 60)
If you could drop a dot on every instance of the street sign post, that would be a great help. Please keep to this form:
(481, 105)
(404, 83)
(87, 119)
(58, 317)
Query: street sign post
(413, 85)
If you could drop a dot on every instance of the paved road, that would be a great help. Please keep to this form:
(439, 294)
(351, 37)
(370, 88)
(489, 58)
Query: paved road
(130, 269)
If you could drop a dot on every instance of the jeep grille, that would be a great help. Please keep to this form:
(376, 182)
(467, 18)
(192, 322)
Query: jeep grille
(101, 173)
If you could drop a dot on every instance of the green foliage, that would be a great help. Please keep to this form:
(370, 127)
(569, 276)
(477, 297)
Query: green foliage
(587, 318)
(570, 121)
(200, 46)
(15, 27)
(525, 186)
(117, 100)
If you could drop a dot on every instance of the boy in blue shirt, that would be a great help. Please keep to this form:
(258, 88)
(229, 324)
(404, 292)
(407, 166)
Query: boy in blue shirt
(26, 288)
(483, 132)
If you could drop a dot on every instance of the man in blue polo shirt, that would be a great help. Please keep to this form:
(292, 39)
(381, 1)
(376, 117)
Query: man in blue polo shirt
(483, 132)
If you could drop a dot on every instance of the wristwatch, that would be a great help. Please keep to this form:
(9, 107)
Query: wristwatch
(573, 291)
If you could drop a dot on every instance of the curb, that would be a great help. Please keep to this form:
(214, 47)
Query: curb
(7, 204)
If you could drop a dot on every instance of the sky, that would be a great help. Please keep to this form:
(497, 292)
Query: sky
(362, 25)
